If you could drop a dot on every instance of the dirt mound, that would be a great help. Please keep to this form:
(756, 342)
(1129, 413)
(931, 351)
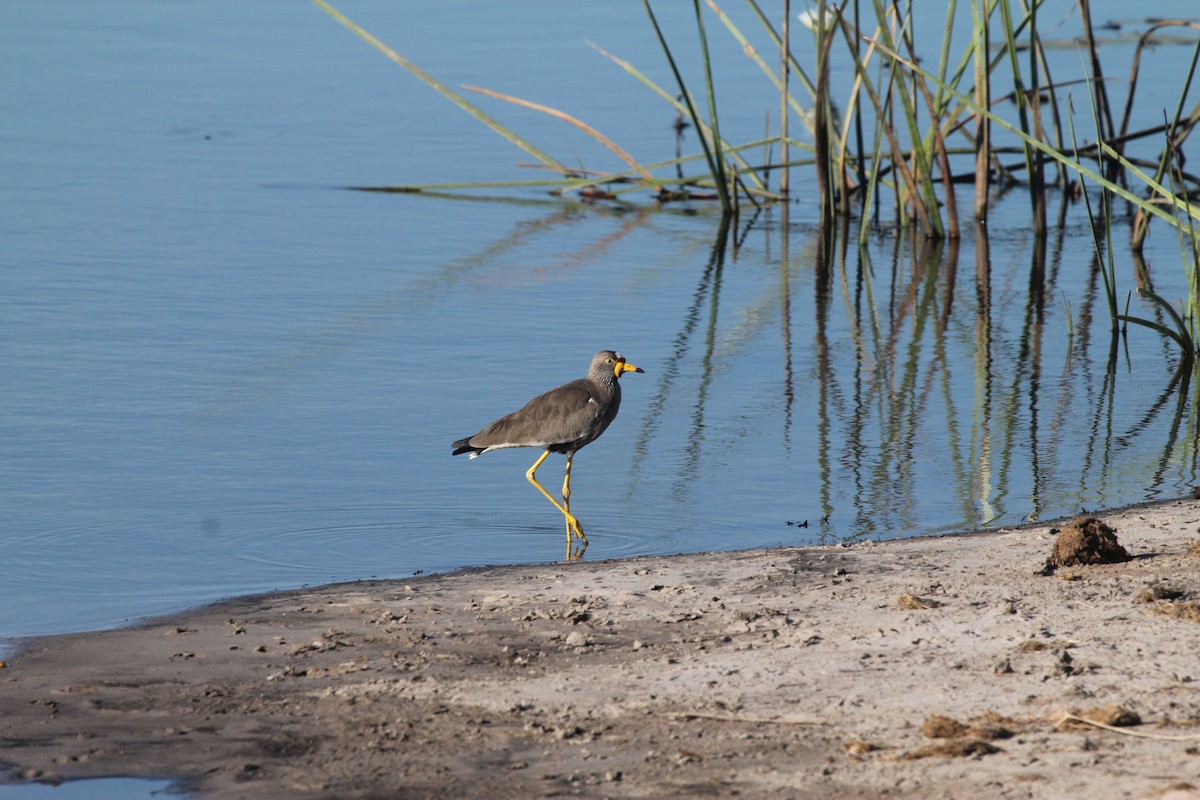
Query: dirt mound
(1087, 540)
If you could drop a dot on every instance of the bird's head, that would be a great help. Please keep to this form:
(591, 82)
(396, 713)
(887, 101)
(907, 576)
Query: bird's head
(619, 365)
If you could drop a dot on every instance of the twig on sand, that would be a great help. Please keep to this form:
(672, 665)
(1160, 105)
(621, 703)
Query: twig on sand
(752, 720)
(1126, 731)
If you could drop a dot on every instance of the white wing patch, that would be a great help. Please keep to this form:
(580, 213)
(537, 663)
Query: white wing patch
(542, 445)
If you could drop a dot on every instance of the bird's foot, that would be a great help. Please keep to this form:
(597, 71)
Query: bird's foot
(574, 532)
(574, 529)
(574, 554)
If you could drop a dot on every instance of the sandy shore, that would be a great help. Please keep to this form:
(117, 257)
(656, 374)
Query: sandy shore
(931, 668)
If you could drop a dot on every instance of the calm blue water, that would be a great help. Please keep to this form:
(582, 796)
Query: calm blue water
(225, 374)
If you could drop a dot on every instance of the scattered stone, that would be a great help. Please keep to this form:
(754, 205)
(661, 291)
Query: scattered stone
(1159, 591)
(48, 778)
(572, 732)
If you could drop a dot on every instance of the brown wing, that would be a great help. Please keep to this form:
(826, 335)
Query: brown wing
(560, 416)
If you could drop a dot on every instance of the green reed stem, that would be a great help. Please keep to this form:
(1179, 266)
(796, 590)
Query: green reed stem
(706, 142)
(924, 195)
(1037, 195)
(719, 175)
(1174, 138)
(983, 98)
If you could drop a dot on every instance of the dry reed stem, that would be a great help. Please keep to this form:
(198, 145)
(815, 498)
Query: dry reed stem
(565, 117)
(750, 720)
(1125, 731)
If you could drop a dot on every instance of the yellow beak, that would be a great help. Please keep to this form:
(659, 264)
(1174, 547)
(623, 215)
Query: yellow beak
(623, 367)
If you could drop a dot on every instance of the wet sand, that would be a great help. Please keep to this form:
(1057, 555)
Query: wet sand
(931, 668)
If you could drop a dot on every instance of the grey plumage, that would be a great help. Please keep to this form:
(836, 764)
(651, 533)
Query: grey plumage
(561, 420)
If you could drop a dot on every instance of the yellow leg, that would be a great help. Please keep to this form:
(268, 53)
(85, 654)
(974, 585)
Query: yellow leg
(573, 526)
(566, 493)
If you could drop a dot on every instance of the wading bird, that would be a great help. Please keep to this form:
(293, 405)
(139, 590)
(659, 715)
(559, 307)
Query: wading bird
(561, 421)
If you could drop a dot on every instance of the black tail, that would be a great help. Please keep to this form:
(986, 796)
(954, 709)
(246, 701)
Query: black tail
(464, 446)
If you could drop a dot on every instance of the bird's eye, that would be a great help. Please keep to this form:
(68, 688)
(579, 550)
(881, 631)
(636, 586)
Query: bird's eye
(608, 361)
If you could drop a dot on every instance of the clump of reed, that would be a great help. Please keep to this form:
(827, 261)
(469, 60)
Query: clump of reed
(904, 137)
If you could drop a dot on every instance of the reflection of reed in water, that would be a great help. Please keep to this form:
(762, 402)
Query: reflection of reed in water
(487, 268)
(709, 287)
